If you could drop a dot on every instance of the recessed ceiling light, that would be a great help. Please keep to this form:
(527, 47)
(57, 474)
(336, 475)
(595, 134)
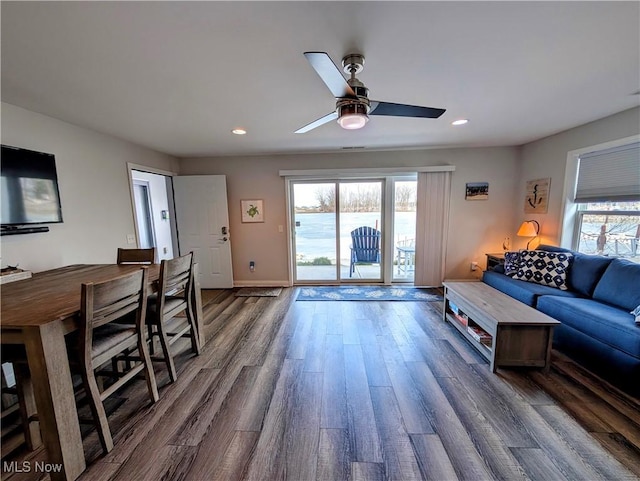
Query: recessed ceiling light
(239, 131)
(459, 122)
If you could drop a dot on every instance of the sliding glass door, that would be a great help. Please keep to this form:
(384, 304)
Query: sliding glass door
(404, 229)
(337, 231)
(353, 230)
(360, 230)
(314, 220)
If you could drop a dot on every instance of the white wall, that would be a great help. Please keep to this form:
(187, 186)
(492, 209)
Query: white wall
(94, 189)
(548, 158)
(476, 227)
(159, 202)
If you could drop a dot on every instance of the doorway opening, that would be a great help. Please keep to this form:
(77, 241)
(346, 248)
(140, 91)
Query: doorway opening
(154, 213)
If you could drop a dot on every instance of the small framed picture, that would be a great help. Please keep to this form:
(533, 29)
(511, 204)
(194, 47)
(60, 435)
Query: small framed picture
(252, 210)
(477, 191)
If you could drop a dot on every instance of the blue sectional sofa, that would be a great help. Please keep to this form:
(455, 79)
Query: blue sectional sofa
(598, 329)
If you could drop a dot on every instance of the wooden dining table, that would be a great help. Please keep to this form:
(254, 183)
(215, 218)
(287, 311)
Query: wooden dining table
(38, 313)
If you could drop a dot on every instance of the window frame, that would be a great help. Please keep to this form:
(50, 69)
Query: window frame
(571, 215)
(582, 210)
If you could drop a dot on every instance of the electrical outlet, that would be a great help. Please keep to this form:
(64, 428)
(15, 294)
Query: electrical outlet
(252, 266)
(131, 239)
(474, 266)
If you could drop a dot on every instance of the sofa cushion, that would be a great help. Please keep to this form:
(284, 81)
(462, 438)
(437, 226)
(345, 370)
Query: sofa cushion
(614, 365)
(526, 292)
(586, 271)
(543, 267)
(619, 285)
(548, 248)
(608, 324)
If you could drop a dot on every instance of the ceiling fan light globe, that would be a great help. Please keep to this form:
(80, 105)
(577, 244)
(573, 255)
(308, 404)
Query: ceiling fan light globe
(353, 121)
(352, 116)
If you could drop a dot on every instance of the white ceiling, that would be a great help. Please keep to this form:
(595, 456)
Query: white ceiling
(178, 76)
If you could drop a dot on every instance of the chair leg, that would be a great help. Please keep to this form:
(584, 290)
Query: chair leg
(168, 358)
(27, 404)
(195, 342)
(152, 348)
(97, 408)
(152, 386)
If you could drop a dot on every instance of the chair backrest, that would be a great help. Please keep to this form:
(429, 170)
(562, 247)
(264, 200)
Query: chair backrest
(176, 279)
(366, 244)
(136, 256)
(106, 301)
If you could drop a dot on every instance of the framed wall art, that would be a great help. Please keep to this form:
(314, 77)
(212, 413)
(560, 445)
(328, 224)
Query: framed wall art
(477, 191)
(252, 210)
(537, 196)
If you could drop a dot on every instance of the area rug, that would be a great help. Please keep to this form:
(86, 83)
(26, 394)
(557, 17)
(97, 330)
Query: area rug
(368, 293)
(259, 292)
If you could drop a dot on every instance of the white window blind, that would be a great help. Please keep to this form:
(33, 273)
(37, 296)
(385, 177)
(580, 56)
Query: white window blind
(609, 175)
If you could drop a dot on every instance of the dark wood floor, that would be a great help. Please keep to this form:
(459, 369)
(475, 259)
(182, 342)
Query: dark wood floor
(361, 391)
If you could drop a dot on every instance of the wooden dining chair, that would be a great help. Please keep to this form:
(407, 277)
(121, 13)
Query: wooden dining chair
(173, 297)
(136, 256)
(132, 256)
(101, 339)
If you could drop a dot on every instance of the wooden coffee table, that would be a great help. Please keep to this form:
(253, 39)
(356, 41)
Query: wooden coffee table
(504, 330)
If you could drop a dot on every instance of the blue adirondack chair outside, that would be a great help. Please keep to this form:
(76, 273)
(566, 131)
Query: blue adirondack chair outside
(365, 247)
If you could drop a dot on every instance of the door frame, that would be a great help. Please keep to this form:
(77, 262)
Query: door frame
(172, 210)
(149, 211)
(386, 219)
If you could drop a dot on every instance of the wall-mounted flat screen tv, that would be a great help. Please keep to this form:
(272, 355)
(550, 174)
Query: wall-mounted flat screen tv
(28, 188)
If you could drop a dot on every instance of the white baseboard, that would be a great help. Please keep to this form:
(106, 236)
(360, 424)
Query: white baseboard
(271, 283)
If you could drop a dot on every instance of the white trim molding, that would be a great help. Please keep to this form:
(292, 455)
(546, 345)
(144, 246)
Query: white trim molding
(364, 172)
(261, 284)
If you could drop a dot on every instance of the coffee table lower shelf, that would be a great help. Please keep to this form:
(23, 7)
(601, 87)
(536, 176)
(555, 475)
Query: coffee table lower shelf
(505, 331)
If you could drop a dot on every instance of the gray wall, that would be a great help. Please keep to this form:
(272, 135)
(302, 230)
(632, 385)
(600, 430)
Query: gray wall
(94, 189)
(548, 158)
(476, 227)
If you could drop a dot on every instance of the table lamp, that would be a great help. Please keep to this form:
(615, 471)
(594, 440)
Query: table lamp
(529, 228)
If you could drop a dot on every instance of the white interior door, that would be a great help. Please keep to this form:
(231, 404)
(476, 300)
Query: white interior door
(202, 217)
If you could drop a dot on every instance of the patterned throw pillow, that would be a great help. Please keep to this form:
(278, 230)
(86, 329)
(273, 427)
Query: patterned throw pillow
(546, 268)
(636, 312)
(511, 263)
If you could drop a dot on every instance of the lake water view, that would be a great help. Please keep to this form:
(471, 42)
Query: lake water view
(316, 235)
(317, 232)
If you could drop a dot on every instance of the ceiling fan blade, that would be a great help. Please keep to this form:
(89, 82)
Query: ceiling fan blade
(317, 123)
(402, 110)
(330, 74)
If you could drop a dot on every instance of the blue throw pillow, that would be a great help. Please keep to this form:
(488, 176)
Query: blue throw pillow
(511, 263)
(548, 248)
(586, 271)
(546, 268)
(620, 284)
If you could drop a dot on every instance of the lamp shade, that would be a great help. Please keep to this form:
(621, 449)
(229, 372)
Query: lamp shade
(527, 229)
